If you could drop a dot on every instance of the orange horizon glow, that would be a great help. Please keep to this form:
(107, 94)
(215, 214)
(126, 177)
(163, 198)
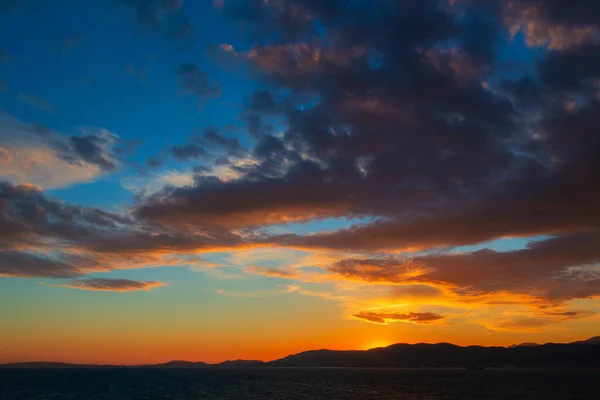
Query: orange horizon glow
(132, 350)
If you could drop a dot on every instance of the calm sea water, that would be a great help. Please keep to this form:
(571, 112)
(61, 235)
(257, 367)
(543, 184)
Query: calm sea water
(263, 383)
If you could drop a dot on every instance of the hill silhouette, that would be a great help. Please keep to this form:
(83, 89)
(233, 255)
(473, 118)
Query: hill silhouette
(580, 354)
(179, 364)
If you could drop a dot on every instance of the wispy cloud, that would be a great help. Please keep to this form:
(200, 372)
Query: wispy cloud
(387, 317)
(113, 285)
(36, 102)
(258, 293)
(272, 272)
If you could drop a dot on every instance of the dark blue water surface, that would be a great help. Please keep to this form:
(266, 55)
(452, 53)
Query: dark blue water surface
(282, 383)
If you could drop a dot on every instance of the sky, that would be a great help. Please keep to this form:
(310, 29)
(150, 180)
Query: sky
(249, 179)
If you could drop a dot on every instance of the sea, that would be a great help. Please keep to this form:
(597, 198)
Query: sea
(297, 383)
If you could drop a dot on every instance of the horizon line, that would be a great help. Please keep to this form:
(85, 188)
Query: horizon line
(522, 344)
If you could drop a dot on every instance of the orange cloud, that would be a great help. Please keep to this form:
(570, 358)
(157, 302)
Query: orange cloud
(387, 318)
(523, 324)
(259, 293)
(300, 59)
(273, 272)
(550, 270)
(542, 31)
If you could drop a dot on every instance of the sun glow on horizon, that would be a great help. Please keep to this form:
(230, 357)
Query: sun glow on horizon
(374, 344)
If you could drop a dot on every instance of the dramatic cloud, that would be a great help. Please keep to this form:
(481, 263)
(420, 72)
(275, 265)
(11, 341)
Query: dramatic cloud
(552, 270)
(387, 318)
(408, 119)
(45, 237)
(239, 203)
(27, 216)
(433, 154)
(114, 285)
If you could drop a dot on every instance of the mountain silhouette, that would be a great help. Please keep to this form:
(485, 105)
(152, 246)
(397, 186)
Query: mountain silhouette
(593, 341)
(179, 364)
(241, 363)
(580, 354)
(445, 355)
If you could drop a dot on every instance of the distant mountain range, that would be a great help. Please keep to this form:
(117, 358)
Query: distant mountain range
(580, 354)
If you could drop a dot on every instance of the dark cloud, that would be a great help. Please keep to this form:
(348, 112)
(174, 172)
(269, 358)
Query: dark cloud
(555, 196)
(543, 269)
(154, 162)
(200, 169)
(27, 217)
(262, 101)
(552, 270)
(187, 152)
(576, 68)
(41, 237)
(217, 142)
(387, 132)
(30, 265)
(113, 285)
(586, 12)
(153, 239)
(195, 81)
(243, 203)
(254, 123)
(91, 149)
(261, 19)
(390, 317)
